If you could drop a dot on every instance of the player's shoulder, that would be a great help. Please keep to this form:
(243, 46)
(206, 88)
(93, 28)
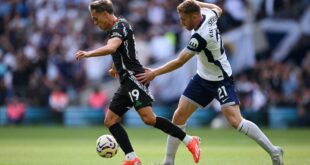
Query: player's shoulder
(121, 23)
(202, 31)
(208, 12)
(211, 16)
(208, 25)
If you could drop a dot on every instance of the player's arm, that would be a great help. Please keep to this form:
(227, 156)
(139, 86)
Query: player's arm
(109, 48)
(211, 6)
(172, 65)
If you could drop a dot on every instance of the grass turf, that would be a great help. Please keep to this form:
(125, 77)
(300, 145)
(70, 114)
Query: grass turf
(76, 146)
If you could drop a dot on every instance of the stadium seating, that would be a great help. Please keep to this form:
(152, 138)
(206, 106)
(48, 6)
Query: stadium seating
(33, 115)
(38, 115)
(258, 117)
(280, 117)
(3, 117)
(83, 116)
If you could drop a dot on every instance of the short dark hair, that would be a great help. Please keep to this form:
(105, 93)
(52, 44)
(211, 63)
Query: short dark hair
(101, 6)
(188, 7)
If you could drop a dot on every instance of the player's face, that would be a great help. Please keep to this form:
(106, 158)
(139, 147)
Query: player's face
(187, 20)
(99, 19)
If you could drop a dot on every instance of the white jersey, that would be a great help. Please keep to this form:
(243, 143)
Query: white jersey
(207, 44)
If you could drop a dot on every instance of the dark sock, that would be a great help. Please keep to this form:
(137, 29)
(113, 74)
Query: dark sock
(166, 126)
(121, 137)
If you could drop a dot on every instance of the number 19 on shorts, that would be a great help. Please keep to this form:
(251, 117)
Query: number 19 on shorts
(134, 95)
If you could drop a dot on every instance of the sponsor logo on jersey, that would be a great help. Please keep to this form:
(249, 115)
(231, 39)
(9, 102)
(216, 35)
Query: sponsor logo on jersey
(193, 43)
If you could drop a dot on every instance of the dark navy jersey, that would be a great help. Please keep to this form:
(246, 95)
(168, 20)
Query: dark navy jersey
(125, 60)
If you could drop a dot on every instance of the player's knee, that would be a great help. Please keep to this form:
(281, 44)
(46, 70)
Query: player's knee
(232, 114)
(149, 120)
(179, 118)
(234, 122)
(108, 122)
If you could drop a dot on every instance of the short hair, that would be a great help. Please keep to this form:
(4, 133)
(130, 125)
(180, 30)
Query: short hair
(101, 6)
(188, 7)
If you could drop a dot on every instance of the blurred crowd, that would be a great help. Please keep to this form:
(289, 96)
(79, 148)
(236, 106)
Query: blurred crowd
(267, 42)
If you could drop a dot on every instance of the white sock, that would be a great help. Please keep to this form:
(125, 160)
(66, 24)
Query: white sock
(130, 156)
(187, 139)
(250, 129)
(172, 147)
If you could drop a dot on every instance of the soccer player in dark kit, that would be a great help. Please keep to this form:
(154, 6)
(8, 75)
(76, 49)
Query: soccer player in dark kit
(131, 93)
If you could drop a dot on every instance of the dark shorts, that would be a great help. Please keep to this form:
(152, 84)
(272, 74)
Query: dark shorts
(201, 92)
(131, 93)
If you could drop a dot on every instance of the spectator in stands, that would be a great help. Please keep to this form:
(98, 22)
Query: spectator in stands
(97, 99)
(3, 92)
(304, 108)
(304, 101)
(58, 102)
(16, 110)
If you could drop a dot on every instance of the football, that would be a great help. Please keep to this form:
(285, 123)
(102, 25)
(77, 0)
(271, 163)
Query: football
(106, 146)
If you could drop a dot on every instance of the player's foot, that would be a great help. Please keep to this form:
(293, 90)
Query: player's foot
(167, 163)
(194, 147)
(277, 157)
(164, 164)
(135, 161)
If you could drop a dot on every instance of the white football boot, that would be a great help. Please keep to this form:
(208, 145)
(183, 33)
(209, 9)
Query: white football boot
(277, 157)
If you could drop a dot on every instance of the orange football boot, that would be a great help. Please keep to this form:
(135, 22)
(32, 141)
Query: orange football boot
(194, 147)
(135, 161)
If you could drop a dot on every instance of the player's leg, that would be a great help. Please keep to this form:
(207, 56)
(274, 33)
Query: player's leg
(180, 116)
(233, 115)
(142, 102)
(149, 118)
(228, 98)
(118, 107)
(196, 94)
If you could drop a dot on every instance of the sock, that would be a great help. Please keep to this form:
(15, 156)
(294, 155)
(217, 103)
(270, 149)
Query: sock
(130, 156)
(121, 137)
(251, 130)
(187, 139)
(172, 147)
(166, 126)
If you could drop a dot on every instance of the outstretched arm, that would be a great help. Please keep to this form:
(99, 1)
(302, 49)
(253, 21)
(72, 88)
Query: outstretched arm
(109, 48)
(172, 65)
(211, 6)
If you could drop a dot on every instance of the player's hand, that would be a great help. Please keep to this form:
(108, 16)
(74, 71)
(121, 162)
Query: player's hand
(146, 77)
(113, 72)
(81, 54)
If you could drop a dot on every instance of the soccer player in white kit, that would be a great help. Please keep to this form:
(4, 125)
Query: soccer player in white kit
(213, 79)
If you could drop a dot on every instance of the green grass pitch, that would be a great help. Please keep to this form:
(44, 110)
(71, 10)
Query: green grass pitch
(76, 146)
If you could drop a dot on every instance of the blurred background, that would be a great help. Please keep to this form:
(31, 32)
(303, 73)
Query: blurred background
(267, 43)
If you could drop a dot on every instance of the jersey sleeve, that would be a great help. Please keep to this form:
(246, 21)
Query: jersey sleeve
(119, 31)
(196, 44)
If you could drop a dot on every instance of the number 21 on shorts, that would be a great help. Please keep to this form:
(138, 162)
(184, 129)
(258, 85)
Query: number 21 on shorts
(222, 92)
(134, 95)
